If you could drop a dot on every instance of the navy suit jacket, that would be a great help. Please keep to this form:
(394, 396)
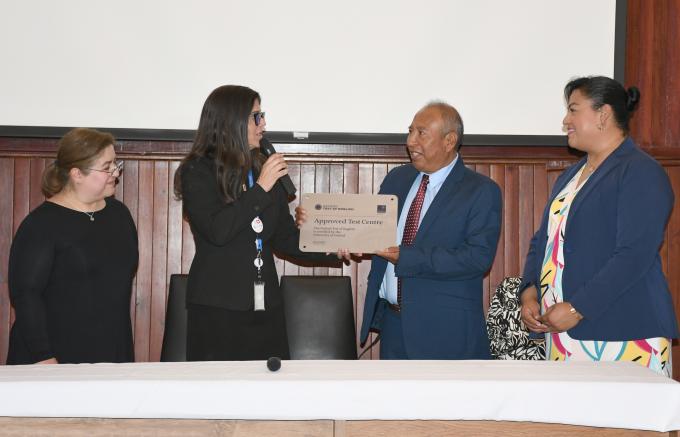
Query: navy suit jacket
(442, 315)
(615, 228)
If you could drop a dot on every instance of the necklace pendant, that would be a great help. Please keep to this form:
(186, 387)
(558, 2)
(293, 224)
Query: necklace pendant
(92, 218)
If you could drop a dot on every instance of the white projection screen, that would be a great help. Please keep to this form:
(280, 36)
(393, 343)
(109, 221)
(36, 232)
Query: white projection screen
(345, 67)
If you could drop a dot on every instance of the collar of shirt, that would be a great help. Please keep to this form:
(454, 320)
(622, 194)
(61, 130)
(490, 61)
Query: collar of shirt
(438, 177)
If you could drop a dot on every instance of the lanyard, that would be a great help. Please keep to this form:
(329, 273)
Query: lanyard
(257, 227)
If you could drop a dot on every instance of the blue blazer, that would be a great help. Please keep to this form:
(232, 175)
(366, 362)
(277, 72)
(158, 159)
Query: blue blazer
(615, 228)
(442, 315)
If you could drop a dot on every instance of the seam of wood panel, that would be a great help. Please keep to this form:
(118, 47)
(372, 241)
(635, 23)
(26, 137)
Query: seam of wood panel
(493, 159)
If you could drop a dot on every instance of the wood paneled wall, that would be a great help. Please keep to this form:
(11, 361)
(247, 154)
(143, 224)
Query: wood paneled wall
(525, 175)
(653, 65)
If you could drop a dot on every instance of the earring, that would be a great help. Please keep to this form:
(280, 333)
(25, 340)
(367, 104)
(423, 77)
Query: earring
(600, 125)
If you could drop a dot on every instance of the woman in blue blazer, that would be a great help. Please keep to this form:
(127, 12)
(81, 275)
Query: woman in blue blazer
(592, 280)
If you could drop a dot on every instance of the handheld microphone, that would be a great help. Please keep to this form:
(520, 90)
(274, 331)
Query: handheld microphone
(267, 150)
(274, 363)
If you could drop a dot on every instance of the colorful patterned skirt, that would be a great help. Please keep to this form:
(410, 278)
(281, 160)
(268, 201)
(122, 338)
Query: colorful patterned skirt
(653, 353)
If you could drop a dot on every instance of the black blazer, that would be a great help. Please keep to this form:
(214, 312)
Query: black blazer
(222, 271)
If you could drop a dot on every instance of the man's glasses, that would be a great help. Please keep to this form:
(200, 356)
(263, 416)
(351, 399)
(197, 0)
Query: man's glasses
(258, 116)
(116, 166)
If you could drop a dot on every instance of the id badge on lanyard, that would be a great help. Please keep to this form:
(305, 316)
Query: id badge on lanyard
(258, 285)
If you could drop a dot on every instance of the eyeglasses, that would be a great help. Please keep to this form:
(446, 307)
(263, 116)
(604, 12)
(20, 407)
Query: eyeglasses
(257, 116)
(116, 166)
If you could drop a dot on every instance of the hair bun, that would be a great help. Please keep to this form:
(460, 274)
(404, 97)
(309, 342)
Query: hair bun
(633, 98)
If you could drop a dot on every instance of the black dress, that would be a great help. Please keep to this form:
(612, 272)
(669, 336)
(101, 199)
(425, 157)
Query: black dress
(70, 282)
(222, 323)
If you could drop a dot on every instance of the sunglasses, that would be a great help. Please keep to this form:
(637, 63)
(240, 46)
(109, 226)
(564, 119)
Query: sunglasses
(258, 116)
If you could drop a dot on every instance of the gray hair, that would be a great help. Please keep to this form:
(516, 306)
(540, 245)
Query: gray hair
(452, 121)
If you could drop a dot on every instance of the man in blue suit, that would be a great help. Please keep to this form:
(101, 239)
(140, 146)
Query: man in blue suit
(425, 296)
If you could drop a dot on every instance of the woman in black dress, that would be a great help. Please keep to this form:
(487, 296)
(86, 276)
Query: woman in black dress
(72, 261)
(238, 216)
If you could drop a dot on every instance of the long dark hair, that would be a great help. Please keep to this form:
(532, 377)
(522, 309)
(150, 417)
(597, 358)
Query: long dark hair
(222, 137)
(602, 91)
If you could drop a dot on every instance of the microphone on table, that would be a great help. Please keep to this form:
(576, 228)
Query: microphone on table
(268, 150)
(274, 363)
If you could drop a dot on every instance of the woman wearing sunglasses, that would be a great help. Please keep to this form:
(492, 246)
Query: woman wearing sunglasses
(238, 215)
(72, 261)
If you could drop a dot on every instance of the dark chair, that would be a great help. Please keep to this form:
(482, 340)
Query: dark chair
(319, 317)
(175, 336)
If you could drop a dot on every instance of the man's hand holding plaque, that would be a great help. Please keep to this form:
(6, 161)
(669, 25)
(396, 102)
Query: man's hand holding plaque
(358, 223)
(391, 254)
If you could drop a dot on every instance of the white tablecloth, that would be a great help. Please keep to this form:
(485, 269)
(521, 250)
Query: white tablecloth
(619, 395)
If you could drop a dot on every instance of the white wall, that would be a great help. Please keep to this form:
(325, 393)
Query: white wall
(345, 66)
